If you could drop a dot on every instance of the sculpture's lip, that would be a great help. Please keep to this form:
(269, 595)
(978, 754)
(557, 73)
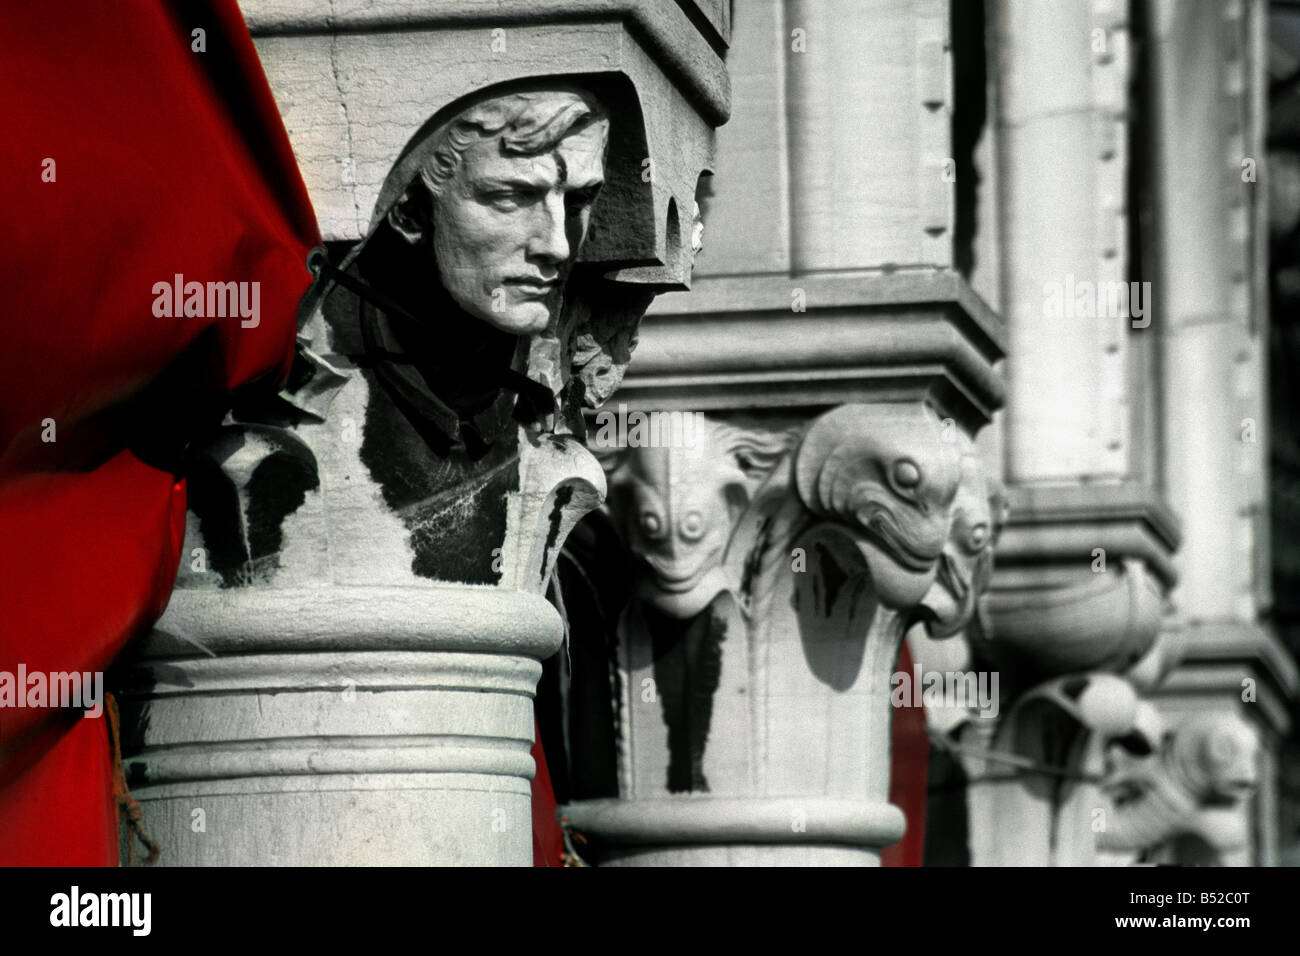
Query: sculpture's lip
(675, 580)
(918, 556)
(680, 583)
(532, 285)
(1122, 790)
(947, 604)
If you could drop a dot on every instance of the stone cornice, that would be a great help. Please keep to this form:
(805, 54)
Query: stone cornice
(736, 343)
(1063, 524)
(1216, 656)
(666, 30)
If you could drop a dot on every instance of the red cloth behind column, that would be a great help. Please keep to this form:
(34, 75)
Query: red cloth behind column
(166, 160)
(908, 777)
(64, 799)
(548, 840)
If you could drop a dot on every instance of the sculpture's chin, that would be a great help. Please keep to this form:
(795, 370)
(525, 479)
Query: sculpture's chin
(946, 615)
(526, 317)
(531, 319)
(950, 602)
(685, 604)
(524, 321)
(897, 585)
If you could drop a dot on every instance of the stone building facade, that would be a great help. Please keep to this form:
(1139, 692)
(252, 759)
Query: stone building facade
(985, 209)
(967, 370)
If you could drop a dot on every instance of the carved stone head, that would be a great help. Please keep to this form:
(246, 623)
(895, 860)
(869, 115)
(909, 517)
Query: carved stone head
(678, 505)
(502, 202)
(1197, 783)
(891, 476)
(966, 565)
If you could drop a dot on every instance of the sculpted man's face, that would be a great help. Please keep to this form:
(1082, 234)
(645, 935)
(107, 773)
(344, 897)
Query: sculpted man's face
(508, 228)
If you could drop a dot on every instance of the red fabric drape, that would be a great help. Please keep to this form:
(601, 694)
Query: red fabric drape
(168, 157)
(548, 840)
(131, 156)
(908, 777)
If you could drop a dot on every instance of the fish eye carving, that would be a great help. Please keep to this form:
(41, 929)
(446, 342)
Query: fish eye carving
(976, 538)
(652, 525)
(691, 527)
(906, 474)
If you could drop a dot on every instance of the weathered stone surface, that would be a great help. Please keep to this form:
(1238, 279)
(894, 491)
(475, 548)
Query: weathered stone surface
(778, 570)
(368, 550)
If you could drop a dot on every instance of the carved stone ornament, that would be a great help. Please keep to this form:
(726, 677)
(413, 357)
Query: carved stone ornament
(1105, 622)
(440, 437)
(778, 569)
(1107, 779)
(1189, 782)
(349, 660)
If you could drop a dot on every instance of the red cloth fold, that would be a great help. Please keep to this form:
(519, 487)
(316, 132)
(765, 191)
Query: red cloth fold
(168, 157)
(909, 775)
(166, 160)
(548, 839)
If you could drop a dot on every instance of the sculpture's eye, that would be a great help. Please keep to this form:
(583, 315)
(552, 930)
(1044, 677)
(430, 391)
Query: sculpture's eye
(652, 526)
(907, 474)
(977, 537)
(502, 200)
(692, 526)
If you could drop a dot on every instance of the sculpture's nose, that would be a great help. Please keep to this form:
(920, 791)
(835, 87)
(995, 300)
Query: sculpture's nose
(550, 240)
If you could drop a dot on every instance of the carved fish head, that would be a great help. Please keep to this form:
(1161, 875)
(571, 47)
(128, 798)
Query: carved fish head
(678, 505)
(678, 521)
(1207, 765)
(1216, 756)
(966, 565)
(891, 474)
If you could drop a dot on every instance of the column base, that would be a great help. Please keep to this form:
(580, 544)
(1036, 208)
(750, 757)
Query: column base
(351, 726)
(736, 831)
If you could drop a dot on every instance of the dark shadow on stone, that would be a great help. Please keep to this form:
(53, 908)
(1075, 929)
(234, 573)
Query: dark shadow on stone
(835, 606)
(688, 669)
(577, 717)
(947, 819)
(277, 488)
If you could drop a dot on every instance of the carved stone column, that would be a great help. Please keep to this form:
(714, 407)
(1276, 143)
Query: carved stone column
(1064, 76)
(1215, 341)
(779, 570)
(1121, 731)
(1078, 610)
(843, 364)
(346, 670)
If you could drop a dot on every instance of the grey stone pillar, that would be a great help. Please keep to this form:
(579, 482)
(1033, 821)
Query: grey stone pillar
(346, 670)
(828, 312)
(342, 726)
(1214, 334)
